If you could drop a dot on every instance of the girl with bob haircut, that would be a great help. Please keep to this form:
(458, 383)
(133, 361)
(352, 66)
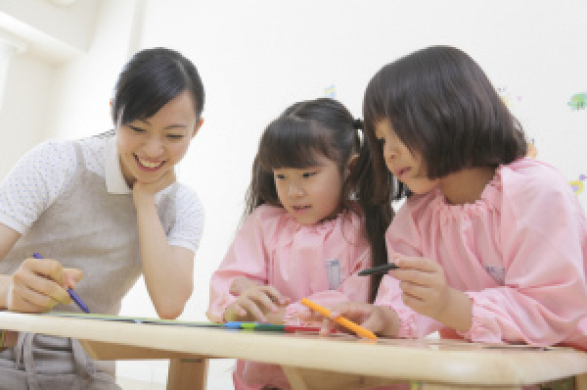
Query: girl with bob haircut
(302, 235)
(106, 207)
(491, 246)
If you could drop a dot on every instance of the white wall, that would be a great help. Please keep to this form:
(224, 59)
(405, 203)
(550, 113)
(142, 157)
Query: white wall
(23, 111)
(81, 103)
(256, 57)
(37, 95)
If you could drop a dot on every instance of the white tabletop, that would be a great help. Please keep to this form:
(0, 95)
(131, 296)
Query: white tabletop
(427, 360)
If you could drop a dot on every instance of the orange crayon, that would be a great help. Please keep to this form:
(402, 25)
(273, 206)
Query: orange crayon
(340, 320)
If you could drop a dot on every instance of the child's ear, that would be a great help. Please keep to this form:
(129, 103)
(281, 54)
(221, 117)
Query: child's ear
(198, 126)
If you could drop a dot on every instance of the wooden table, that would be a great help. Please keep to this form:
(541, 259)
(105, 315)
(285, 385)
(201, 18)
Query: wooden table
(335, 362)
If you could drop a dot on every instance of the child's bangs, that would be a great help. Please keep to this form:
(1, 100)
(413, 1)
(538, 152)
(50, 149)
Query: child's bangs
(291, 143)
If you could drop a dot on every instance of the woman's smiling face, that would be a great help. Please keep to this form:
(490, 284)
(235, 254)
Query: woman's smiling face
(150, 147)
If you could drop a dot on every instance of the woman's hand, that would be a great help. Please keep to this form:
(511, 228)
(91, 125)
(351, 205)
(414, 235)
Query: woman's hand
(39, 285)
(145, 192)
(256, 304)
(426, 291)
(167, 269)
(378, 319)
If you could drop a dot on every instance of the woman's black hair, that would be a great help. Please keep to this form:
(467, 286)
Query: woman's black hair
(150, 79)
(322, 126)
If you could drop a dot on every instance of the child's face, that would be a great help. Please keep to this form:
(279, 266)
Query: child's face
(150, 148)
(406, 166)
(311, 194)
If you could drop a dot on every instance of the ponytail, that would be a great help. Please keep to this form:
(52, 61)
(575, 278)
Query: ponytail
(377, 215)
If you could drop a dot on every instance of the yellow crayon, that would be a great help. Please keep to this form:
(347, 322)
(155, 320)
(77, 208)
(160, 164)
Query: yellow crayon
(340, 320)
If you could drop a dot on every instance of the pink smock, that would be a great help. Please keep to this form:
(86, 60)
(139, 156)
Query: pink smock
(318, 262)
(519, 253)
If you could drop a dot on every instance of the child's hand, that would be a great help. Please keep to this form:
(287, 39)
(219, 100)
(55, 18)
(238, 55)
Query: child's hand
(240, 284)
(255, 303)
(39, 285)
(142, 191)
(378, 319)
(423, 284)
(425, 291)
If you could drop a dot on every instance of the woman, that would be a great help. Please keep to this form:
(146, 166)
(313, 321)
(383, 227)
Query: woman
(106, 207)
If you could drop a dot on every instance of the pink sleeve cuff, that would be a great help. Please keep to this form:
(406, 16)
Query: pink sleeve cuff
(217, 310)
(407, 321)
(292, 315)
(483, 325)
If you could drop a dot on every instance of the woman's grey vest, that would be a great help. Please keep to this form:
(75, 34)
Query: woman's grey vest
(89, 229)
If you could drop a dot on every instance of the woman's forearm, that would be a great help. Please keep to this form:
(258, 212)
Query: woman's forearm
(4, 288)
(168, 271)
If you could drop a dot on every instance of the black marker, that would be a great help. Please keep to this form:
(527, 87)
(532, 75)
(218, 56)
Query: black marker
(380, 269)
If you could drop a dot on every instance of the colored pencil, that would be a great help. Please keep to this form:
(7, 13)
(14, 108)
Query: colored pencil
(340, 320)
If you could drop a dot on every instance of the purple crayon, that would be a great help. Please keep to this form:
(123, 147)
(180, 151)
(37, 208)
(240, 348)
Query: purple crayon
(72, 293)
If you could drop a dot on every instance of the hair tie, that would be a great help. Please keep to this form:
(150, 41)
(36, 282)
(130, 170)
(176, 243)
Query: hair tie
(358, 126)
